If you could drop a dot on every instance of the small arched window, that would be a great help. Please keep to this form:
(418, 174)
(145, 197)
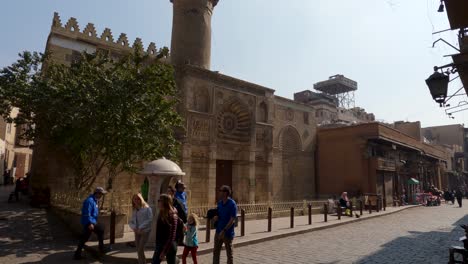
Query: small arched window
(202, 100)
(262, 113)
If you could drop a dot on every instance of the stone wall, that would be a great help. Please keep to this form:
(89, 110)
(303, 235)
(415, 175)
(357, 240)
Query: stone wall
(294, 145)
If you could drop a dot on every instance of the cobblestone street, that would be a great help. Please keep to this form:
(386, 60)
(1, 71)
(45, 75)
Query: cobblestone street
(30, 235)
(420, 235)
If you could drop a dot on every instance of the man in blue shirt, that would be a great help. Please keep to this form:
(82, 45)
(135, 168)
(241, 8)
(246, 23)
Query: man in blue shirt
(89, 218)
(181, 195)
(227, 212)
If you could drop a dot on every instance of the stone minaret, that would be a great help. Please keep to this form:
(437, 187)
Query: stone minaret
(191, 32)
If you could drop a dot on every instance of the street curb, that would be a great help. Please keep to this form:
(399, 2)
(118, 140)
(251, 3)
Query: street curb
(300, 232)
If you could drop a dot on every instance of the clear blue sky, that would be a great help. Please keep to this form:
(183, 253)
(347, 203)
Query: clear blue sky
(385, 45)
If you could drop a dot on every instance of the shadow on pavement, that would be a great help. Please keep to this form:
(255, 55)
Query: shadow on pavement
(26, 233)
(419, 247)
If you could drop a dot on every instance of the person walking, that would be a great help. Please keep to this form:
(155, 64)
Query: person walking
(89, 221)
(181, 195)
(459, 196)
(227, 213)
(140, 223)
(166, 245)
(191, 239)
(177, 204)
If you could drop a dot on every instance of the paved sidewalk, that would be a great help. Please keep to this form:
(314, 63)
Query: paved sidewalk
(33, 236)
(255, 232)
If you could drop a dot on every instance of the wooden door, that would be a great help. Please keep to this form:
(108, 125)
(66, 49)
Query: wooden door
(223, 173)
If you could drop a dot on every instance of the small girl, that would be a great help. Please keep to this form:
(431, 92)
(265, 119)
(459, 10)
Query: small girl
(191, 238)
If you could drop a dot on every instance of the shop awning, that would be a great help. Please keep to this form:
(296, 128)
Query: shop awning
(413, 181)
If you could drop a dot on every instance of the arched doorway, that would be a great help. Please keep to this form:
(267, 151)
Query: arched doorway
(291, 148)
(145, 189)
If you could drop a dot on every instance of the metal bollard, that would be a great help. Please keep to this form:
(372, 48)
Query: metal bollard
(325, 212)
(112, 228)
(208, 231)
(270, 216)
(292, 217)
(351, 209)
(384, 204)
(339, 212)
(361, 205)
(370, 207)
(378, 205)
(310, 213)
(242, 222)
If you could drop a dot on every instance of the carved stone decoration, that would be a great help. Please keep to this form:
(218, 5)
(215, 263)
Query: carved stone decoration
(289, 114)
(234, 121)
(107, 35)
(229, 123)
(262, 113)
(290, 141)
(152, 49)
(260, 156)
(219, 98)
(259, 137)
(305, 135)
(90, 30)
(200, 129)
(201, 100)
(199, 155)
(268, 138)
(56, 21)
(123, 40)
(72, 25)
(264, 138)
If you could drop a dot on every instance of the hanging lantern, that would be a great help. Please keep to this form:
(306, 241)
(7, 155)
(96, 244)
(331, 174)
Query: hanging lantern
(438, 86)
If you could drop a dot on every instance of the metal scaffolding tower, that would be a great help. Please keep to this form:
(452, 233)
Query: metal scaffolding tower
(339, 87)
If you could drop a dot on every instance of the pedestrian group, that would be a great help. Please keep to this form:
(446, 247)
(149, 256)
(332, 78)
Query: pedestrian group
(174, 226)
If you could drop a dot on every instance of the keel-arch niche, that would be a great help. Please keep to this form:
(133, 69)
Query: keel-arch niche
(202, 100)
(290, 141)
(234, 121)
(290, 145)
(262, 112)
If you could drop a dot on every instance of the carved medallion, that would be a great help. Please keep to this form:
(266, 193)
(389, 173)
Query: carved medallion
(234, 122)
(289, 114)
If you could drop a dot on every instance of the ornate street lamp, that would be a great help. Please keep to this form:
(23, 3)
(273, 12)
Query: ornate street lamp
(438, 86)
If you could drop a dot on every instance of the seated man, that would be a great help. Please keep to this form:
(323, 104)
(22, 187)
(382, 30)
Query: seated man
(344, 203)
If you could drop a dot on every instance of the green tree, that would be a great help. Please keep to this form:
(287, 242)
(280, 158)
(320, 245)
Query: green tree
(103, 113)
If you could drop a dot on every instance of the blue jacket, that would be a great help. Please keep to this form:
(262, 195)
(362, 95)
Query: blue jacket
(89, 211)
(182, 197)
(191, 236)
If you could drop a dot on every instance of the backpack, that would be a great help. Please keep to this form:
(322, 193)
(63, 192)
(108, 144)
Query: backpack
(180, 232)
(180, 210)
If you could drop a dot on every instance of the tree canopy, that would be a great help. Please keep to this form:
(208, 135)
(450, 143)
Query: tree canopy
(104, 113)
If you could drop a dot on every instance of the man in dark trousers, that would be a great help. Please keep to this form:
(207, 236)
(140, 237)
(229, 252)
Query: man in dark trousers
(227, 213)
(89, 221)
(177, 204)
(459, 196)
